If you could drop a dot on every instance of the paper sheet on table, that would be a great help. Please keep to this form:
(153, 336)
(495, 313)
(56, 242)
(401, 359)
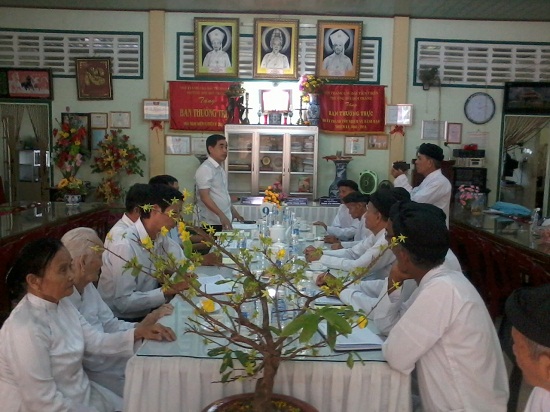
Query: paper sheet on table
(328, 301)
(208, 285)
(244, 226)
(358, 339)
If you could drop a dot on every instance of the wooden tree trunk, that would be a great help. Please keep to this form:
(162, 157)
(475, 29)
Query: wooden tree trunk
(264, 385)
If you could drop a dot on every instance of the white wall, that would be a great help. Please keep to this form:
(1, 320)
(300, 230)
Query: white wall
(444, 103)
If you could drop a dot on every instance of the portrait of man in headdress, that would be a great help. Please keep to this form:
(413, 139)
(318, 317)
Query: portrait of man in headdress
(338, 49)
(216, 47)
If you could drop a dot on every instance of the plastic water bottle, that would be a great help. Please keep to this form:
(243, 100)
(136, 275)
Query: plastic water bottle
(535, 220)
(248, 309)
(294, 244)
(278, 314)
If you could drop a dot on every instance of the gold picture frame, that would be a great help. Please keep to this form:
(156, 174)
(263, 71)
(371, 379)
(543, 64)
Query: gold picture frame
(93, 78)
(216, 47)
(339, 49)
(275, 49)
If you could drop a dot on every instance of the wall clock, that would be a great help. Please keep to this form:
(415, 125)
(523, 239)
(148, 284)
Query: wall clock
(479, 108)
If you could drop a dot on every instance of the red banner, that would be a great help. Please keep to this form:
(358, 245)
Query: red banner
(352, 109)
(199, 106)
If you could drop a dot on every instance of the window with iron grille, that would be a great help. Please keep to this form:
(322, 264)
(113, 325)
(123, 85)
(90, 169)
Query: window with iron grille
(307, 50)
(484, 64)
(58, 49)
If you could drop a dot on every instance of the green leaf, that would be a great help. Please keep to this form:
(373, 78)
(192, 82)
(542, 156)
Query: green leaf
(335, 320)
(300, 322)
(309, 330)
(216, 352)
(349, 360)
(225, 376)
(241, 357)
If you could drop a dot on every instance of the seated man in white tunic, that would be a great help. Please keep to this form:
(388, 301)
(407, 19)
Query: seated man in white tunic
(83, 243)
(446, 333)
(528, 309)
(363, 254)
(435, 189)
(338, 64)
(356, 203)
(399, 173)
(343, 226)
(133, 297)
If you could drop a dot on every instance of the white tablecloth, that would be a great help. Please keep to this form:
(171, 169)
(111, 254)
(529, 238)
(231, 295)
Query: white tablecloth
(179, 377)
(180, 384)
(307, 213)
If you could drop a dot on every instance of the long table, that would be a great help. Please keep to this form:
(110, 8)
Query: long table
(179, 376)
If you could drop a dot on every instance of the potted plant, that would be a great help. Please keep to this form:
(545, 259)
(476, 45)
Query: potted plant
(116, 157)
(68, 154)
(267, 319)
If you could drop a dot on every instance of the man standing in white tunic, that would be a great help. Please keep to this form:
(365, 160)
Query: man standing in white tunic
(338, 64)
(528, 309)
(216, 60)
(435, 189)
(213, 200)
(446, 333)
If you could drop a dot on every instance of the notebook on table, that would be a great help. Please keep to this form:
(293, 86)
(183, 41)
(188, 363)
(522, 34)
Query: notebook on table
(358, 339)
(208, 285)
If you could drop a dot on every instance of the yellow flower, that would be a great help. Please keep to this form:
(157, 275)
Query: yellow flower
(185, 236)
(181, 227)
(164, 231)
(396, 285)
(208, 305)
(281, 254)
(362, 322)
(401, 238)
(62, 183)
(147, 243)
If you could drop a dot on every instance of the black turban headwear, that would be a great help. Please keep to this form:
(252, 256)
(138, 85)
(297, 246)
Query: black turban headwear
(383, 199)
(431, 150)
(424, 227)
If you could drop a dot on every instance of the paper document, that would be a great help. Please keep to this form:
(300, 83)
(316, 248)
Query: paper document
(208, 285)
(328, 301)
(244, 226)
(358, 339)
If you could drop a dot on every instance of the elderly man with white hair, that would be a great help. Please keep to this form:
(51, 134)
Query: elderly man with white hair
(86, 264)
(337, 64)
(216, 60)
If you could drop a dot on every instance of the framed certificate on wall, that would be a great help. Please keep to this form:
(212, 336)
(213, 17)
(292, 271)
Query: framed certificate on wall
(399, 114)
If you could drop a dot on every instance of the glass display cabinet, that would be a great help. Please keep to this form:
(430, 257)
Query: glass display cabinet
(260, 155)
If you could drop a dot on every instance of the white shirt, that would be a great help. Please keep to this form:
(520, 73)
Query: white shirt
(118, 229)
(449, 336)
(41, 359)
(360, 234)
(343, 226)
(131, 296)
(389, 308)
(435, 189)
(337, 64)
(539, 400)
(275, 61)
(362, 255)
(210, 175)
(217, 61)
(402, 181)
(108, 371)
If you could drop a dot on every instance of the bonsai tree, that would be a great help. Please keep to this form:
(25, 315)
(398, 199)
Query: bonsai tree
(268, 318)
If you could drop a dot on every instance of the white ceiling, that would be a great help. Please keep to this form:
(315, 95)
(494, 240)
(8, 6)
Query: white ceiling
(530, 10)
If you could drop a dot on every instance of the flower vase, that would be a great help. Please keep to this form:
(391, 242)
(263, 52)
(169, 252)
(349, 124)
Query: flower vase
(478, 204)
(72, 200)
(313, 109)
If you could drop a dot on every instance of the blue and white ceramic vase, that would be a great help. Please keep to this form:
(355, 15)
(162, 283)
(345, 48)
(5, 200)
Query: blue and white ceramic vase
(313, 110)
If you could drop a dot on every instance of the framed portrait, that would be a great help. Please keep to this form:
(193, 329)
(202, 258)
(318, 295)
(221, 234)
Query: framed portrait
(216, 47)
(378, 141)
(78, 120)
(156, 109)
(354, 146)
(399, 114)
(93, 78)
(275, 49)
(29, 84)
(178, 145)
(120, 120)
(339, 49)
(453, 133)
(99, 120)
(275, 100)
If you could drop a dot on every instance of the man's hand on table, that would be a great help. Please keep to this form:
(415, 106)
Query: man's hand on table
(331, 239)
(154, 332)
(238, 217)
(178, 287)
(211, 259)
(323, 278)
(312, 254)
(158, 313)
(226, 223)
(319, 223)
(336, 246)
